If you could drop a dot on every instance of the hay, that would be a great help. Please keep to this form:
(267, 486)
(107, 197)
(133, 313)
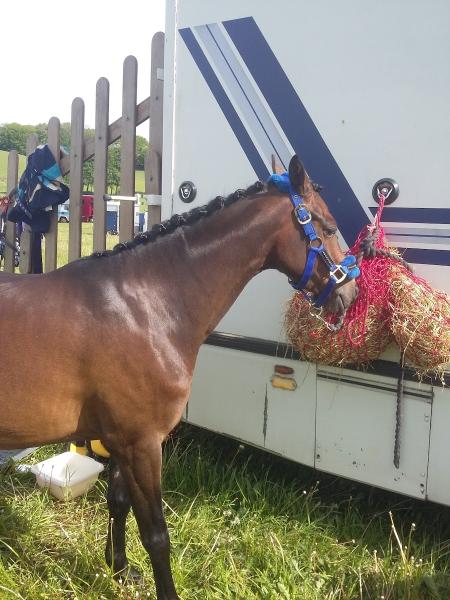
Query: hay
(365, 332)
(420, 322)
(358, 341)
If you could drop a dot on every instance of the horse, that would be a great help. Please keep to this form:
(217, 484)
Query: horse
(105, 347)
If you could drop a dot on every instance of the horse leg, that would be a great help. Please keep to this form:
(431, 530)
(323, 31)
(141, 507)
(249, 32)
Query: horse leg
(141, 469)
(119, 505)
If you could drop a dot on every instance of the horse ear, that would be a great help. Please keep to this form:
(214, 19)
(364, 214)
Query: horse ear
(297, 174)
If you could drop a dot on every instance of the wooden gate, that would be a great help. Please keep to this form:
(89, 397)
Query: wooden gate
(83, 149)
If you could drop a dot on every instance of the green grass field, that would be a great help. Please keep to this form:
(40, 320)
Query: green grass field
(139, 182)
(87, 241)
(244, 525)
(4, 170)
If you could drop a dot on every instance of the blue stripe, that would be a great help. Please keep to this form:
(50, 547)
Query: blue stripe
(419, 235)
(426, 256)
(297, 125)
(422, 256)
(223, 101)
(397, 214)
(213, 35)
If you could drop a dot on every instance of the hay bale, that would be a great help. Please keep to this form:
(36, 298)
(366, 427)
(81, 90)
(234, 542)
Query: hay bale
(420, 322)
(359, 341)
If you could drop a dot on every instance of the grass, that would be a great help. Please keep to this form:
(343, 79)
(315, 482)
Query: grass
(244, 525)
(139, 182)
(87, 242)
(4, 170)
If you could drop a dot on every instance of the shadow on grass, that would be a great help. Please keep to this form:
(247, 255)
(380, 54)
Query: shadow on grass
(426, 587)
(329, 490)
(199, 463)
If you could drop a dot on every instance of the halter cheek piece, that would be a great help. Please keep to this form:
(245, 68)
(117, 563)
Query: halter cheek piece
(347, 269)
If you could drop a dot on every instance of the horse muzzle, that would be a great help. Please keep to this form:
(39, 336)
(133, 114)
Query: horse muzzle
(342, 298)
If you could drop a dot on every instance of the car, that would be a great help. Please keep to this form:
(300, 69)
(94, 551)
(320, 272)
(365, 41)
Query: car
(63, 213)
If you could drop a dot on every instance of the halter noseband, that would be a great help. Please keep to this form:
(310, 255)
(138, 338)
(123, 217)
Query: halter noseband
(347, 269)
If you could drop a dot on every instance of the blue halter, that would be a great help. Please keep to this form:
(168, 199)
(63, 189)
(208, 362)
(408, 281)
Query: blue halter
(347, 269)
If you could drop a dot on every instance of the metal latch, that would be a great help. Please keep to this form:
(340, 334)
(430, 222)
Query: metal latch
(388, 187)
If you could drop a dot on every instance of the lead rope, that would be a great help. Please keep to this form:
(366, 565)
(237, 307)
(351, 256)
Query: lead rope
(398, 412)
(367, 248)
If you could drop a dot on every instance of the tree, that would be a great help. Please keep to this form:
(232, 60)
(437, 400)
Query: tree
(88, 175)
(141, 149)
(41, 131)
(64, 136)
(113, 174)
(13, 136)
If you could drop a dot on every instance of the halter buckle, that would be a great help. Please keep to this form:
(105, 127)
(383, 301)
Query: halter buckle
(339, 274)
(306, 218)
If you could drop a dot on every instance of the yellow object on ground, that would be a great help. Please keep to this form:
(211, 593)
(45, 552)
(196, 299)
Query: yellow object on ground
(98, 448)
(79, 448)
(94, 445)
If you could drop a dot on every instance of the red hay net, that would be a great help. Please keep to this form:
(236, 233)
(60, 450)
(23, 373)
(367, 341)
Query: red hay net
(393, 303)
(365, 330)
(373, 282)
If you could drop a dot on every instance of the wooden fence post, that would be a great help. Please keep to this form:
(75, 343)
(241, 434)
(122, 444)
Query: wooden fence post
(128, 148)
(51, 237)
(153, 185)
(155, 152)
(83, 149)
(76, 178)
(12, 177)
(100, 162)
(25, 238)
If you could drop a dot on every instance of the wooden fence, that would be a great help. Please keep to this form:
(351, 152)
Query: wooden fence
(83, 149)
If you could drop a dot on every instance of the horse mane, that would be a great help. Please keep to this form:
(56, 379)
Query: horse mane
(176, 221)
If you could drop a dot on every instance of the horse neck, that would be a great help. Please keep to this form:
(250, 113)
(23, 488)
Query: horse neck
(212, 260)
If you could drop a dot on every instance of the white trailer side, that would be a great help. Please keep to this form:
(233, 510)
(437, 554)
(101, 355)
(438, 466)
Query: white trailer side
(360, 91)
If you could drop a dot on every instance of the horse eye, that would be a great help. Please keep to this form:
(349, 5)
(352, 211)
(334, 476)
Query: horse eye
(329, 232)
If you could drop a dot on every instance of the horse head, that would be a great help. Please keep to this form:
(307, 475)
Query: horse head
(307, 249)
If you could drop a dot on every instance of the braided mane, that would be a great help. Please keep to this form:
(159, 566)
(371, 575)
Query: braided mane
(187, 218)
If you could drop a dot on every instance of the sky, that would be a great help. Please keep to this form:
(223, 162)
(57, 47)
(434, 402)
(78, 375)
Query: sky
(54, 51)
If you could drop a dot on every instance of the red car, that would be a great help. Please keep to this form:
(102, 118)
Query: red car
(87, 209)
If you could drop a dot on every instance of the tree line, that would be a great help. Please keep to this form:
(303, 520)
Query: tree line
(13, 136)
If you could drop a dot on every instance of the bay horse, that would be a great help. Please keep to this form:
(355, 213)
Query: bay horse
(105, 347)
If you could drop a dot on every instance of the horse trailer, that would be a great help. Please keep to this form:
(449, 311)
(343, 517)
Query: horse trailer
(360, 91)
